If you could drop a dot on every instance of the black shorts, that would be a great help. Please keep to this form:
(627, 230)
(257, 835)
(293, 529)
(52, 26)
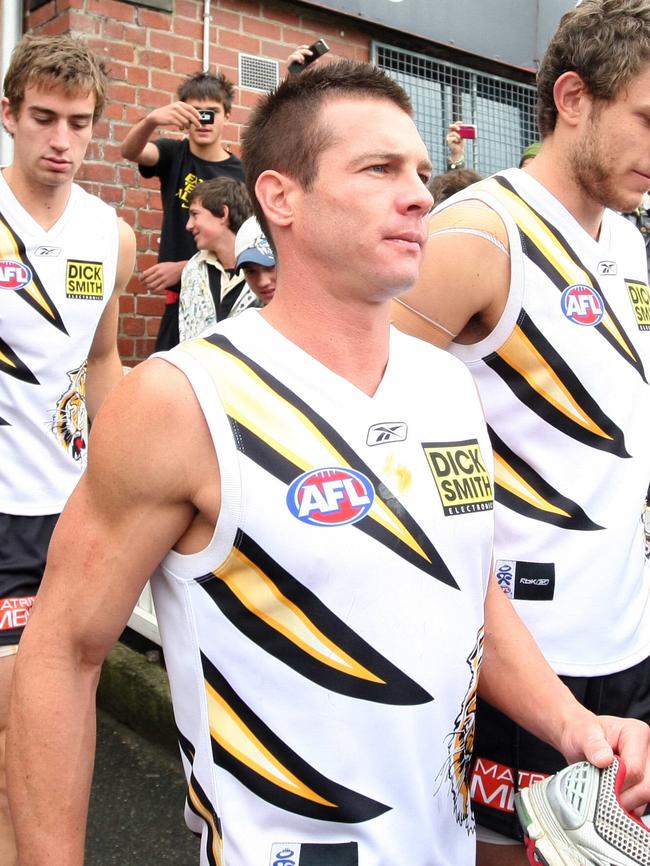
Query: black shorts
(507, 758)
(23, 551)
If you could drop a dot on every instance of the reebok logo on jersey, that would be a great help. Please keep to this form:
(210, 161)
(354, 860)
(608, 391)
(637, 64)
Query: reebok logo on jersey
(389, 431)
(582, 304)
(84, 280)
(14, 275)
(531, 581)
(640, 298)
(314, 854)
(607, 269)
(330, 497)
(47, 252)
(462, 480)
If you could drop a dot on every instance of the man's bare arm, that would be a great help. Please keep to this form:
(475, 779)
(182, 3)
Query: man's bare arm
(127, 511)
(138, 148)
(516, 678)
(464, 279)
(104, 365)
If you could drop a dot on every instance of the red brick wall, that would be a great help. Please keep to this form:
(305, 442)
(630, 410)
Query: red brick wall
(148, 53)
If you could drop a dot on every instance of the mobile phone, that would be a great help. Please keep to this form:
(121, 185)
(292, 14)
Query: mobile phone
(467, 130)
(317, 50)
(206, 115)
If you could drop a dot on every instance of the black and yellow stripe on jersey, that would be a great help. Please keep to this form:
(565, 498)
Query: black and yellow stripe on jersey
(11, 363)
(199, 803)
(248, 749)
(12, 248)
(288, 621)
(542, 380)
(519, 487)
(543, 244)
(528, 363)
(34, 294)
(282, 434)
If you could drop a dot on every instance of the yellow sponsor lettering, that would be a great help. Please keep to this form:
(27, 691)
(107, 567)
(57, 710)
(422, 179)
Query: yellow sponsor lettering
(461, 476)
(640, 298)
(84, 280)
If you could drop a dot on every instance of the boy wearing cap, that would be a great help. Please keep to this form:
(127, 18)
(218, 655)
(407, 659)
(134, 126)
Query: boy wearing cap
(255, 257)
(547, 314)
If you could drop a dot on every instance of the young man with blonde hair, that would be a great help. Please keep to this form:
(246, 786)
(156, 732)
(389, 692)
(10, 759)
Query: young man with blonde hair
(536, 282)
(64, 259)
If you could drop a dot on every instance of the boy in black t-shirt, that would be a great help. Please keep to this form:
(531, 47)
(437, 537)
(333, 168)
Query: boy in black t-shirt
(203, 106)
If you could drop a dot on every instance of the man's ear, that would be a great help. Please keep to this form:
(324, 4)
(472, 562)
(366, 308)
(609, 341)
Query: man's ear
(275, 193)
(8, 117)
(572, 98)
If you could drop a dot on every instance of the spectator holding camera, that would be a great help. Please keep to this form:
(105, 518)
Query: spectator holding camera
(201, 110)
(455, 146)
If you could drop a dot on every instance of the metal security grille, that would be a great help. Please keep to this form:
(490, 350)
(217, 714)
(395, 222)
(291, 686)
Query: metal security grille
(257, 73)
(502, 110)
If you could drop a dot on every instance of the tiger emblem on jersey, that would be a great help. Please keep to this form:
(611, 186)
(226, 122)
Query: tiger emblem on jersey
(461, 742)
(69, 423)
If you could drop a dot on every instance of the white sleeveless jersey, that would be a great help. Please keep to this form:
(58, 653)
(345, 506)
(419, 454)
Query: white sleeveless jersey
(54, 286)
(323, 651)
(564, 383)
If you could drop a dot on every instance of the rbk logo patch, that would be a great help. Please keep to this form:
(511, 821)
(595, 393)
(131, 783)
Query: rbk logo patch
(389, 431)
(607, 269)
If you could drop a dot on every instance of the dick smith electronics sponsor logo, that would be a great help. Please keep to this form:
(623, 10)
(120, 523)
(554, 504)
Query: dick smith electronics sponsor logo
(84, 280)
(459, 471)
(14, 275)
(531, 581)
(389, 431)
(332, 496)
(640, 300)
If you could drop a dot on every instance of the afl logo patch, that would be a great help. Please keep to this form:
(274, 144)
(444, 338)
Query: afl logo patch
(330, 497)
(14, 275)
(583, 305)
